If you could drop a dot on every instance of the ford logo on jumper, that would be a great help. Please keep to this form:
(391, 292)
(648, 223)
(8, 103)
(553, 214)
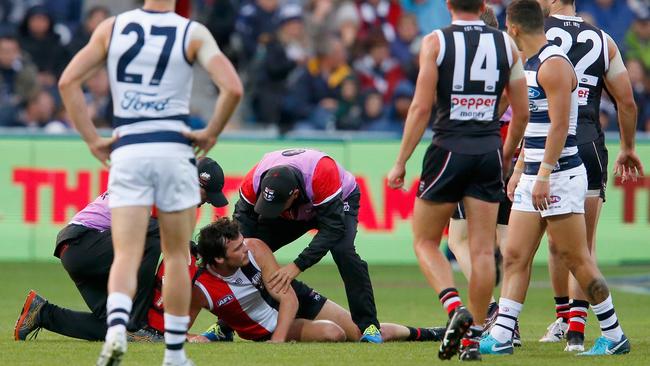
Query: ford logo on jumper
(137, 101)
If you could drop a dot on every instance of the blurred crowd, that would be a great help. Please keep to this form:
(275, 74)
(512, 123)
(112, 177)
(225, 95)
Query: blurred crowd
(315, 65)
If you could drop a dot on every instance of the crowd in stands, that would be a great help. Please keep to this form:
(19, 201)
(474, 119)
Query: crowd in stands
(306, 64)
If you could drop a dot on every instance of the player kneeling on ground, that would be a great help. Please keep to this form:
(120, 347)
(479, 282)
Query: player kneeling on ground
(233, 284)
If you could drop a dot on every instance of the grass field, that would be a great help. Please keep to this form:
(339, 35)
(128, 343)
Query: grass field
(402, 296)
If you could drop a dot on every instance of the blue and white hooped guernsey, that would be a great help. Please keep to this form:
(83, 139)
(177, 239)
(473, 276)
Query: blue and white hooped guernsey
(540, 122)
(151, 81)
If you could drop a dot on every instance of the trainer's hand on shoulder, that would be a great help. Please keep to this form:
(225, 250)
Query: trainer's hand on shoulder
(202, 140)
(396, 176)
(281, 279)
(628, 165)
(101, 148)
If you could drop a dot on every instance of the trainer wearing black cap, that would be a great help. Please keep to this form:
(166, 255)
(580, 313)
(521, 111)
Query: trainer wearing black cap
(86, 251)
(291, 192)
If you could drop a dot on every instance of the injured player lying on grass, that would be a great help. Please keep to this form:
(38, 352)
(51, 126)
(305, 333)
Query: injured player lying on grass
(233, 283)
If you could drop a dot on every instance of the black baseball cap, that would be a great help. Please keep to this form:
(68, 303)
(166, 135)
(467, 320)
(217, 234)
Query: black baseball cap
(212, 180)
(275, 189)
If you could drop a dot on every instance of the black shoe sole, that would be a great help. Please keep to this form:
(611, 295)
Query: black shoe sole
(459, 324)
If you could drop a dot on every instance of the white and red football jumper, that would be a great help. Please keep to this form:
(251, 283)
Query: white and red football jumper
(241, 300)
(155, 316)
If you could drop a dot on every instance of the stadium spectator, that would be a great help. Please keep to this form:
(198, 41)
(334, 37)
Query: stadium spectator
(405, 47)
(373, 109)
(377, 69)
(396, 112)
(220, 20)
(431, 14)
(320, 18)
(94, 16)
(641, 87)
(312, 97)
(68, 12)
(347, 24)
(98, 99)
(39, 112)
(348, 112)
(378, 14)
(637, 40)
(17, 80)
(614, 16)
(288, 48)
(255, 25)
(37, 37)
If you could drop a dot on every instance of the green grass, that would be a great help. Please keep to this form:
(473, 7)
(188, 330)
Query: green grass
(402, 296)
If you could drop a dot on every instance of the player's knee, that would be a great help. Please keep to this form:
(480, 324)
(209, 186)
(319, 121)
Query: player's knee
(331, 332)
(424, 245)
(513, 260)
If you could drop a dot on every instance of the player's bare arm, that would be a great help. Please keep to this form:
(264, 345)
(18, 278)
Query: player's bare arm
(82, 66)
(204, 49)
(557, 77)
(516, 91)
(287, 300)
(628, 164)
(420, 110)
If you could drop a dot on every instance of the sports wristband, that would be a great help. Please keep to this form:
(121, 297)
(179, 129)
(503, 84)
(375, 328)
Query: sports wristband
(517, 170)
(547, 166)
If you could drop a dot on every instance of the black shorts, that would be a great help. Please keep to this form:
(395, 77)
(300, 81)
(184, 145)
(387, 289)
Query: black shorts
(502, 216)
(310, 302)
(448, 177)
(594, 157)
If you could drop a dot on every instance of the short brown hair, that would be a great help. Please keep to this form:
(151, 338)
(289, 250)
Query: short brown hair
(489, 17)
(527, 14)
(470, 6)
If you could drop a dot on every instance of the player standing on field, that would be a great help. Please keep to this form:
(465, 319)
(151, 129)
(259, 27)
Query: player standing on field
(149, 54)
(464, 69)
(551, 184)
(598, 64)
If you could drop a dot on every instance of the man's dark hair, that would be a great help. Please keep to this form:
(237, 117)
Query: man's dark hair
(489, 18)
(470, 6)
(568, 2)
(213, 238)
(527, 14)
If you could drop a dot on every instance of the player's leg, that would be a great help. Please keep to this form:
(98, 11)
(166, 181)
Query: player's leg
(303, 330)
(355, 276)
(594, 157)
(128, 226)
(559, 275)
(571, 243)
(459, 245)
(390, 332)
(481, 228)
(526, 230)
(175, 232)
(146, 278)
(579, 304)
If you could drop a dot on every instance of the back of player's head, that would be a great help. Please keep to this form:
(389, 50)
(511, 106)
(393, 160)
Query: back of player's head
(527, 15)
(489, 18)
(470, 6)
(213, 238)
(567, 2)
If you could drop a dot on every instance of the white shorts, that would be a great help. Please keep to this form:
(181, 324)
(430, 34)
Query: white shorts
(169, 183)
(567, 193)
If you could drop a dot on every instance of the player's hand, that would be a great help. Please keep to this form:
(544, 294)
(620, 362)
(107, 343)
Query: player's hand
(198, 339)
(541, 195)
(281, 279)
(396, 176)
(101, 149)
(202, 141)
(512, 185)
(628, 165)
